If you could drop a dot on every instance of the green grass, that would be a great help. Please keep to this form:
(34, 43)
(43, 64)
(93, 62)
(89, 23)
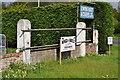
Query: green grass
(0, 75)
(99, 66)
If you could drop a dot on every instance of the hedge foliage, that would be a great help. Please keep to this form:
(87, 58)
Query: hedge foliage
(104, 24)
(58, 16)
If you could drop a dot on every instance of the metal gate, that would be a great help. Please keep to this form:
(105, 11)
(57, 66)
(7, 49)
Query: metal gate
(2, 44)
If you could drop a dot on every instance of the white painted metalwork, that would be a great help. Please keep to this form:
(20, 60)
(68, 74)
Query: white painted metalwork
(2, 44)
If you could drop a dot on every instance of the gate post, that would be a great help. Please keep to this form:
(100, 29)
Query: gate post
(81, 36)
(24, 38)
(95, 39)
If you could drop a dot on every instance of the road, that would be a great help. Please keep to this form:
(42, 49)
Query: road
(116, 41)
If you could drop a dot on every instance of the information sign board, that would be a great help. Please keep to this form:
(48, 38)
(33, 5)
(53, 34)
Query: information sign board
(110, 40)
(86, 12)
(67, 43)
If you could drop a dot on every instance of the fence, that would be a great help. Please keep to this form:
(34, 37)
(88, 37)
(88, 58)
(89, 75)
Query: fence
(24, 41)
(45, 53)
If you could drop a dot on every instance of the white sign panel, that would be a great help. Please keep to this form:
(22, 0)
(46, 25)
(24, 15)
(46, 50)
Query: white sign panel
(110, 40)
(68, 43)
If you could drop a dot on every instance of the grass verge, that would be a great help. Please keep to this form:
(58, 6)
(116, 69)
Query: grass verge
(92, 66)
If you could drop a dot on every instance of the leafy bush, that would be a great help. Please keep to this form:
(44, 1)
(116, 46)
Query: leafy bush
(117, 28)
(116, 21)
(18, 70)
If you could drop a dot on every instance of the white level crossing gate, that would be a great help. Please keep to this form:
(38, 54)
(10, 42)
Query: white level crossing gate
(2, 44)
(24, 37)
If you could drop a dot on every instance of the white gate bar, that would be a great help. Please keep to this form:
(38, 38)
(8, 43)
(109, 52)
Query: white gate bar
(54, 29)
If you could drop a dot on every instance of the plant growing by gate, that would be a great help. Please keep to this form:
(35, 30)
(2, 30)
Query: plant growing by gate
(18, 70)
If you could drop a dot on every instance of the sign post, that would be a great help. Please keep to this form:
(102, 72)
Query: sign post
(110, 42)
(60, 54)
(66, 44)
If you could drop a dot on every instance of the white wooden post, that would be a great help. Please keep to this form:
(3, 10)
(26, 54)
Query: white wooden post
(81, 36)
(24, 38)
(95, 39)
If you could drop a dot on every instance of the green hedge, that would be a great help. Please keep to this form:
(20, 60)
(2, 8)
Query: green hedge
(57, 16)
(104, 24)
